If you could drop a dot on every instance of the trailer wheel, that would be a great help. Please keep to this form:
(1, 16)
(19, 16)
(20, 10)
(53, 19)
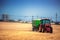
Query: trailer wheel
(33, 29)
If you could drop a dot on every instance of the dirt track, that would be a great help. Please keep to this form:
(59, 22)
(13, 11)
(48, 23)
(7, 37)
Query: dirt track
(19, 34)
(16, 26)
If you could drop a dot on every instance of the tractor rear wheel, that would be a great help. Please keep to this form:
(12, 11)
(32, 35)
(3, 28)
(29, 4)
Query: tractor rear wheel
(43, 30)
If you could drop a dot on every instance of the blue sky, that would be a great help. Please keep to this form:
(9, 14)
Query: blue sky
(42, 8)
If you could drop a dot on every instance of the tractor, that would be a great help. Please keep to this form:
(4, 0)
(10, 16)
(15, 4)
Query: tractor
(42, 25)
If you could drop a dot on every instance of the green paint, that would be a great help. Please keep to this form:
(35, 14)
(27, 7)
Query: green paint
(36, 23)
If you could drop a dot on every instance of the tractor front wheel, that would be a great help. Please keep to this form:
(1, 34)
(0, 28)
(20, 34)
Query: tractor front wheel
(51, 30)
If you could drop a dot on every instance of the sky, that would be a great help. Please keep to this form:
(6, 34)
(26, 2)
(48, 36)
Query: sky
(41, 8)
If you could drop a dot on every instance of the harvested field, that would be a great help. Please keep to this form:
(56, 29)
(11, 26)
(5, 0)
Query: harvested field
(22, 31)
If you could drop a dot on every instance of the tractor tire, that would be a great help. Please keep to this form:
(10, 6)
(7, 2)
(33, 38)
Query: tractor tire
(51, 30)
(43, 30)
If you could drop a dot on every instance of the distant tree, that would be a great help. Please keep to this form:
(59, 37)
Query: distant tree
(5, 17)
(11, 20)
(19, 20)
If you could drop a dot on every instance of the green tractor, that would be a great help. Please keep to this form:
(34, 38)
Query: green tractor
(42, 25)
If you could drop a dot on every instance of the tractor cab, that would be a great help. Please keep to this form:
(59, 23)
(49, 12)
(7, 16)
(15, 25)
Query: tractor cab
(46, 22)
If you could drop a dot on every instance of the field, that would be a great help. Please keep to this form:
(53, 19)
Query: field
(23, 31)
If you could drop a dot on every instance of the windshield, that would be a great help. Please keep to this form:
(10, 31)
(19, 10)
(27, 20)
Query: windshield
(46, 21)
